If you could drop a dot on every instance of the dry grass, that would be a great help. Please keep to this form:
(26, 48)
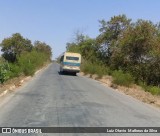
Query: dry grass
(134, 91)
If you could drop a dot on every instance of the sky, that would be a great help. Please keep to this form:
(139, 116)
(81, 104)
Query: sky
(56, 21)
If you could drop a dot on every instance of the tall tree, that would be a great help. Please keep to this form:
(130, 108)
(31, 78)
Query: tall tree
(110, 32)
(138, 47)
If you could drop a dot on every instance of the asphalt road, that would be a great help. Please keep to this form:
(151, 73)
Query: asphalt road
(53, 100)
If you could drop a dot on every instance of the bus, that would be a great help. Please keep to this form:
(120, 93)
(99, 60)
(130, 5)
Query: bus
(70, 62)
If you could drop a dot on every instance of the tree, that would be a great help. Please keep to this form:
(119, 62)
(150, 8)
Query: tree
(136, 50)
(84, 45)
(133, 47)
(72, 47)
(111, 31)
(43, 47)
(12, 47)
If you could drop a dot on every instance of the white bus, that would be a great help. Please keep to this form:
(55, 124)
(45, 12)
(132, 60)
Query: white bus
(70, 62)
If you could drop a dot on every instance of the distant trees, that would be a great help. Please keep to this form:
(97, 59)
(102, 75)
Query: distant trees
(16, 45)
(20, 56)
(86, 46)
(133, 47)
(43, 47)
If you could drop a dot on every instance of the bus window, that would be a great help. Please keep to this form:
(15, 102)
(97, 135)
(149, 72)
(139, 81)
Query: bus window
(61, 60)
(72, 58)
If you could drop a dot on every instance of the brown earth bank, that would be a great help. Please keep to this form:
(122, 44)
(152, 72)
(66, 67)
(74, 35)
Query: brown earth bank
(12, 84)
(134, 91)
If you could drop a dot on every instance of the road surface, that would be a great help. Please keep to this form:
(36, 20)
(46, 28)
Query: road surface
(50, 99)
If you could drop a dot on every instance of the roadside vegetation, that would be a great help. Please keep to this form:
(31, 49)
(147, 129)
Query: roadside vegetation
(21, 57)
(127, 50)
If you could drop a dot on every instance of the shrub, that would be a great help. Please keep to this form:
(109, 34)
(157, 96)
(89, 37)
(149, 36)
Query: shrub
(15, 70)
(124, 79)
(29, 62)
(29, 70)
(94, 68)
(154, 90)
(87, 68)
(4, 72)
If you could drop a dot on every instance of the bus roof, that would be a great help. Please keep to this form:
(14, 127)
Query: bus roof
(72, 53)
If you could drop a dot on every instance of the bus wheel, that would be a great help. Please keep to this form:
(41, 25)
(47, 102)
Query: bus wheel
(61, 72)
(74, 73)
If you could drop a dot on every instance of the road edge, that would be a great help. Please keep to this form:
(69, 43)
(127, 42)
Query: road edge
(23, 81)
(154, 101)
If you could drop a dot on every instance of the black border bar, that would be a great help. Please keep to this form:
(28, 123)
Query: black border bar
(80, 129)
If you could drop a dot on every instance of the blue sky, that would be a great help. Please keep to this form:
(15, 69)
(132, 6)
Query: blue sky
(55, 21)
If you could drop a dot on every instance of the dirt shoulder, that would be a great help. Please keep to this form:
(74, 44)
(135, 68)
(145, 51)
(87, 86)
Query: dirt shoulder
(12, 84)
(134, 91)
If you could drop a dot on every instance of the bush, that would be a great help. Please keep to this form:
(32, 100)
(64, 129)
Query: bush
(94, 68)
(124, 79)
(29, 70)
(154, 90)
(15, 70)
(29, 62)
(4, 72)
(26, 64)
(87, 68)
